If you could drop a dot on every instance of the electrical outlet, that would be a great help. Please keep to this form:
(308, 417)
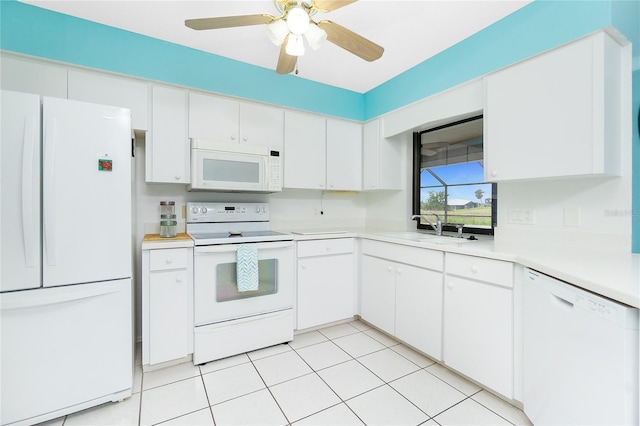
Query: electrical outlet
(522, 216)
(571, 216)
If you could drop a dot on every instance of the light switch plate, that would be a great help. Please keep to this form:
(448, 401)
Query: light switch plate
(571, 216)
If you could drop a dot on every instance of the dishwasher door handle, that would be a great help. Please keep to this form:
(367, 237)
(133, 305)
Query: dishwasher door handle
(559, 301)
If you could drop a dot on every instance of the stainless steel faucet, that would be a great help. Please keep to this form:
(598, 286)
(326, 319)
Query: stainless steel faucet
(437, 227)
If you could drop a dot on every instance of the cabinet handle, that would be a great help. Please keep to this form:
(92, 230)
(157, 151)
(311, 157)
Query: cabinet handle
(303, 266)
(178, 278)
(245, 138)
(399, 270)
(449, 285)
(474, 269)
(168, 260)
(178, 177)
(330, 185)
(233, 137)
(389, 269)
(494, 173)
(327, 248)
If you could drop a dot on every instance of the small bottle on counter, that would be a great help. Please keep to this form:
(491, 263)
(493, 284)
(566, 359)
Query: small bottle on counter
(168, 222)
(168, 226)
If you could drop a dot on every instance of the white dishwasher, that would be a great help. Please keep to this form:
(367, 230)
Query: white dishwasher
(580, 356)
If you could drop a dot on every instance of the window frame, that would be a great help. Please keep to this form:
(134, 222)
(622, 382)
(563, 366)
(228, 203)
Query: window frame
(416, 169)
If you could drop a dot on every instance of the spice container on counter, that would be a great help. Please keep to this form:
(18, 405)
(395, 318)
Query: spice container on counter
(167, 207)
(168, 222)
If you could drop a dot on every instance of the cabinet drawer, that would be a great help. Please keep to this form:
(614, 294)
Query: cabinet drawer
(479, 268)
(423, 258)
(325, 247)
(168, 259)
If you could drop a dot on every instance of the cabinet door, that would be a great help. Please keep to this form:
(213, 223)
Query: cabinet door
(377, 293)
(213, 118)
(478, 332)
(371, 155)
(168, 319)
(106, 90)
(168, 154)
(545, 117)
(261, 125)
(325, 289)
(24, 75)
(344, 155)
(304, 151)
(419, 309)
(381, 159)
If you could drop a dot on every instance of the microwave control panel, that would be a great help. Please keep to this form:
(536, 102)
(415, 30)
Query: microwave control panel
(275, 171)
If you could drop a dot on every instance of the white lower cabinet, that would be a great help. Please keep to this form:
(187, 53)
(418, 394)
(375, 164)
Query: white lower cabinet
(478, 333)
(167, 306)
(326, 281)
(402, 299)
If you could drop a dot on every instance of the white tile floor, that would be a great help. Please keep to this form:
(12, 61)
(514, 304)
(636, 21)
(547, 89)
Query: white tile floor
(346, 374)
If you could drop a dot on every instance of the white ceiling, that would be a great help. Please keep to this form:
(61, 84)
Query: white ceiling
(410, 31)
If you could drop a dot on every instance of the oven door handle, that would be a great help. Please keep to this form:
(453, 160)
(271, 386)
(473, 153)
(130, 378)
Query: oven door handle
(228, 248)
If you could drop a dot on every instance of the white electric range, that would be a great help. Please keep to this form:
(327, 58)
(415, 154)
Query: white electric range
(229, 319)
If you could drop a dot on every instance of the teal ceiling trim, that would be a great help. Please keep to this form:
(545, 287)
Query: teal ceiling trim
(537, 27)
(635, 161)
(39, 32)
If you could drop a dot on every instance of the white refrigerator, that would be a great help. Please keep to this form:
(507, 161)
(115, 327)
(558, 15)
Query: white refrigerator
(65, 296)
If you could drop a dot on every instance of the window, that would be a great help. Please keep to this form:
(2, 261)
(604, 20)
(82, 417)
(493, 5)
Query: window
(448, 178)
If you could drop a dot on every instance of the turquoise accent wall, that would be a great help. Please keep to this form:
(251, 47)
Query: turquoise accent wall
(39, 32)
(535, 28)
(635, 152)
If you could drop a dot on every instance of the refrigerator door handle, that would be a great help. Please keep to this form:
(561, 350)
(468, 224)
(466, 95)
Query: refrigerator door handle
(52, 296)
(50, 135)
(29, 189)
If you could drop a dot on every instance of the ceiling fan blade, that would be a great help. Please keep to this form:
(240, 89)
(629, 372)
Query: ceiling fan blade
(228, 21)
(286, 62)
(329, 5)
(354, 43)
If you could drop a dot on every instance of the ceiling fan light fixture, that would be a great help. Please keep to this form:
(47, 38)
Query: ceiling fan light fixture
(298, 20)
(315, 36)
(295, 45)
(277, 31)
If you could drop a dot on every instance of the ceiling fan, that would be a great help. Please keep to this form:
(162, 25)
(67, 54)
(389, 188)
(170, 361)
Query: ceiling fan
(294, 23)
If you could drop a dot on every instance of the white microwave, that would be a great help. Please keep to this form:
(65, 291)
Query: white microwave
(234, 167)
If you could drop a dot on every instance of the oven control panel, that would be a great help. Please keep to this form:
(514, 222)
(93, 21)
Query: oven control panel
(227, 212)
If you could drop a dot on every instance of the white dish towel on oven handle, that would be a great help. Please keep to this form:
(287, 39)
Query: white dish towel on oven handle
(247, 278)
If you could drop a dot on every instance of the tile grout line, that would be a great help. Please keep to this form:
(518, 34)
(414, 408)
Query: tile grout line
(269, 389)
(206, 394)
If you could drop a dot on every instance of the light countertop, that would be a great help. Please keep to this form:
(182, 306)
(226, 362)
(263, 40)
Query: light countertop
(612, 274)
(155, 241)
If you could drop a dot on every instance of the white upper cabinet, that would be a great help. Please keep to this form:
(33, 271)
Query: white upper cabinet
(39, 78)
(558, 114)
(107, 90)
(261, 125)
(167, 148)
(213, 118)
(344, 155)
(304, 151)
(381, 158)
(221, 119)
(322, 153)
